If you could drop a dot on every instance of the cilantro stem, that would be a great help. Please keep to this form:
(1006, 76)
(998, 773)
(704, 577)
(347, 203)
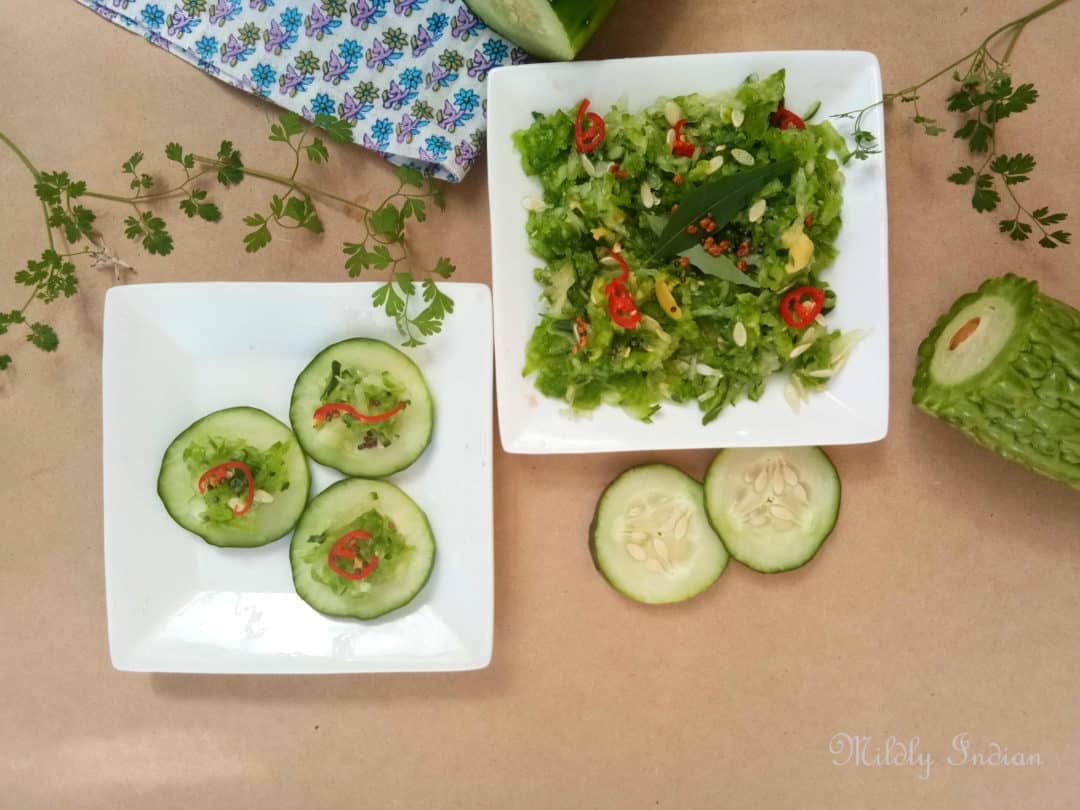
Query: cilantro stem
(30, 167)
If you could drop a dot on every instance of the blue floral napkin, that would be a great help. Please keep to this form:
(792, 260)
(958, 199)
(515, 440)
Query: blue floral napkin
(410, 73)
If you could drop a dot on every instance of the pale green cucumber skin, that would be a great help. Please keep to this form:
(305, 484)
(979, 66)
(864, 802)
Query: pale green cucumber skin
(330, 604)
(1025, 405)
(580, 19)
(242, 537)
(812, 543)
(596, 527)
(375, 462)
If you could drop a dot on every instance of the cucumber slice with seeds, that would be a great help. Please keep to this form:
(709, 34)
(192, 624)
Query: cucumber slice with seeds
(651, 538)
(235, 434)
(774, 507)
(550, 29)
(400, 535)
(373, 377)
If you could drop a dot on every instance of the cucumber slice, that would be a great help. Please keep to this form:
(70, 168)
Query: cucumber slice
(550, 29)
(350, 446)
(774, 507)
(1003, 366)
(394, 581)
(651, 539)
(266, 520)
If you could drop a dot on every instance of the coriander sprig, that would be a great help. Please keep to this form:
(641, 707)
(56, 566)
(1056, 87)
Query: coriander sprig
(381, 244)
(985, 95)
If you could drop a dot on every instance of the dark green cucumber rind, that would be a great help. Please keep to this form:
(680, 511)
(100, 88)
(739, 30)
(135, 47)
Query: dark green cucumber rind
(208, 536)
(357, 470)
(373, 615)
(811, 552)
(580, 19)
(1025, 406)
(595, 520)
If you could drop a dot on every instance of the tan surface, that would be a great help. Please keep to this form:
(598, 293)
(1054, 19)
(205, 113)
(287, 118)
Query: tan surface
(946, 601)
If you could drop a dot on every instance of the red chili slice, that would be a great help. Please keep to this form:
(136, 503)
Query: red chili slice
(681, 147)
(216, 475)
(785, 119)
(797, 313)
(345, 548)
(586, 140)
(621, 306)
(326, 411)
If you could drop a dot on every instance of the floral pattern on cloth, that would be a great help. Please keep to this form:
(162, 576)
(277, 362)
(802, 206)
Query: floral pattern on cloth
(410, 74)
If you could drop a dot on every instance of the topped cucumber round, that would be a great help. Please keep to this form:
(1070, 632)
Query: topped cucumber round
(651, 538)
(363, 408)
(361, 549)
(236, 477)
(772, 507)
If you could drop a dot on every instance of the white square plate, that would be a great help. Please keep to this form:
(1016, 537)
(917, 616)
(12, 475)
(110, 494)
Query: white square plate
(854, 408)
(175, 352)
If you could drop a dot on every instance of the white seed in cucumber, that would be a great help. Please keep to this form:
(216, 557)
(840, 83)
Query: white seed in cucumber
(550, 29)
(391, 584)
(772, 507)
(275, 505)
(351, 445)
(651, 539)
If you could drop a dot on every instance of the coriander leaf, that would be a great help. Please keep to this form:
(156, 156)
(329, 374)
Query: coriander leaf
(1047, 242)
(8, 318)
(960, 101)
(133, 161)
(257, 239)
(175, 153)
(386, 221)
(436, 193)
(338, 129)
(277, 206)
(231, 168)
(5, 361)
(443, 268)
(360, 258)
(962, 176)
(985, 197)
(1061, 236)
(414, 207)
(158, 242)
(189, 207)
(1013, 169)
(43, 336)
(134, 228)
(429, 321)
(1018, 231)
(254, 220)
(296, 208)
(405, 282)
(409, 176)
(1023, 97)
(209, 212)
(313, 223)
(317, 152)
(76, 189)
(976, 133)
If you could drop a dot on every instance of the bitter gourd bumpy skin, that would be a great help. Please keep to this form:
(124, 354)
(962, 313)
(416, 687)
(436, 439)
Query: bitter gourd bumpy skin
(1003, 366)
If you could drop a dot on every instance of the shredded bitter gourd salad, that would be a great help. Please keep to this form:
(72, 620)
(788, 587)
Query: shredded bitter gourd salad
(683, 250)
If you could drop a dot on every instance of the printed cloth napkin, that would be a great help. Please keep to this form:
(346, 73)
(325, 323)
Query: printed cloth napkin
(409, 73)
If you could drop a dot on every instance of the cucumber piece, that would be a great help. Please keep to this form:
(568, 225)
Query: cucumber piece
(266, 520)
(344, 507)
(550, 29)
(1003, 366)
(650, 537)
(349, 446)
(774, 507)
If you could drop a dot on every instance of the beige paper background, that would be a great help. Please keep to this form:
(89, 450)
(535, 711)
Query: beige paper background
(945, 602)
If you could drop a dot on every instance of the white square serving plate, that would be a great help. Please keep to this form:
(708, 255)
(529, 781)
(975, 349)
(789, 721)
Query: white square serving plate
(854, 408)
(175, 352)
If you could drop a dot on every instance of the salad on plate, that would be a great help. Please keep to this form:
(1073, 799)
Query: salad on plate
(685, 250)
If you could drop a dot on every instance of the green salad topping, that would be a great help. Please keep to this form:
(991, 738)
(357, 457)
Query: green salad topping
(372, 394)
(725, 210)
(386, 543)
(269, 471)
